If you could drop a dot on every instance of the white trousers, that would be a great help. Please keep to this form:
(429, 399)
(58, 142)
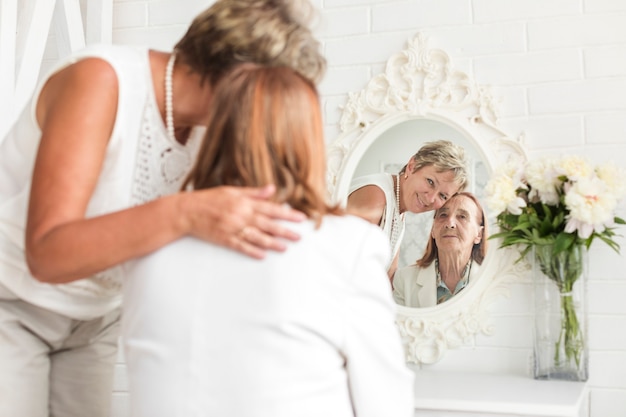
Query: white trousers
(55, 366)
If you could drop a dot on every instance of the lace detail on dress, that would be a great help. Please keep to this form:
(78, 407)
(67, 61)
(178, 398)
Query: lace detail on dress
(161, 164)
(160, 168)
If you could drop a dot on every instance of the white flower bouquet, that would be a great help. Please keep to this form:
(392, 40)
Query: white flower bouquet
(557, 206)
(563, 202)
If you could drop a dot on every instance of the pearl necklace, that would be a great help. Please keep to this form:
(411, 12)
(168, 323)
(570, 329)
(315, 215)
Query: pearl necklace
(398, 193)
(397, 220)
(169, 107)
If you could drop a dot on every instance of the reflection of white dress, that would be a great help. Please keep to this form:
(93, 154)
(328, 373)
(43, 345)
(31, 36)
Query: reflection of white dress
(391, 215)
(308, 332)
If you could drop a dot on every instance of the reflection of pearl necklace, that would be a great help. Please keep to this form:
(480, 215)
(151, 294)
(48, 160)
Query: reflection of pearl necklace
(169, 108)
(397, 219)
(398, 193)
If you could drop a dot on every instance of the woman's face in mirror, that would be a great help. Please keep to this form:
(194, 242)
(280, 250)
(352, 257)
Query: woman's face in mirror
(426, 189)
(457, 227)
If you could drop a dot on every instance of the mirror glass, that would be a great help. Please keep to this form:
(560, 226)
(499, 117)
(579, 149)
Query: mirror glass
(420, 97)
(393, 148)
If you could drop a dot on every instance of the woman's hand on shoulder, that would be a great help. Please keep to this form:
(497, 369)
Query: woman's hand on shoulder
(239, 218)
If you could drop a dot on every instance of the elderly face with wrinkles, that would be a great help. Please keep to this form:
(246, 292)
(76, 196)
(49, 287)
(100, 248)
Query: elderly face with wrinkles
(457, 226)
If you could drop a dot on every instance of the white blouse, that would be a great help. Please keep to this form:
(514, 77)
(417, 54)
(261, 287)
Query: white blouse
(307, 332)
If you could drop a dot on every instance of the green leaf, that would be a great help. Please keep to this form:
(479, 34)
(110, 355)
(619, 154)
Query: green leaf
(563, 242)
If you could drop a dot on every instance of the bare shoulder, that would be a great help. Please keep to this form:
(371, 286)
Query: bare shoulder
(367, 202)
(88, 82)
(86, 72)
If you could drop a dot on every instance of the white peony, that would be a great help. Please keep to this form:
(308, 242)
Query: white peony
(590, 205)
(513, 168)
(613, 177)
(543, 180)
(502, 195)
(574, 168)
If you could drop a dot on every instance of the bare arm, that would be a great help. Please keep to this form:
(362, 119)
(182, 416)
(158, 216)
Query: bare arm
(367, 202)
(62, 245)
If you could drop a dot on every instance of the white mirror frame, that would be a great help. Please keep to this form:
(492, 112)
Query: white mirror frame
(419, 83)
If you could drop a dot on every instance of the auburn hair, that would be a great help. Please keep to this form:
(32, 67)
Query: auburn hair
(265, 127)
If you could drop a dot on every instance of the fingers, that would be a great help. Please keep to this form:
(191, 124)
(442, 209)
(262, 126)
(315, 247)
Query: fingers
(274, 211)
(259, 192)
(243, 219)
(240, 243)
(243, 233)
(253, 242)
(266, 241)
(264, 218)
(271, 209)
(270, 228)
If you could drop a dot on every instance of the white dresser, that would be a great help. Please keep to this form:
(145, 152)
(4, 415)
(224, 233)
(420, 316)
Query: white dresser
(449, 394)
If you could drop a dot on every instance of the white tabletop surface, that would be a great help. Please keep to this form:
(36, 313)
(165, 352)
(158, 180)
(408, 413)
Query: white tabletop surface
(497, 393)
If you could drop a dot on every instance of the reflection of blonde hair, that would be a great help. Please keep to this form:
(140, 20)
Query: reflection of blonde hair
(479, 250)
(265, 127)
(266, 32)
(444, 156)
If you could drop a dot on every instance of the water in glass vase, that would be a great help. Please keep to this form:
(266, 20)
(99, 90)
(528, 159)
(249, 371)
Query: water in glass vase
(560, 327)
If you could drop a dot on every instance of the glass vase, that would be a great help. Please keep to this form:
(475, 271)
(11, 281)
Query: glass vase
(560, 327)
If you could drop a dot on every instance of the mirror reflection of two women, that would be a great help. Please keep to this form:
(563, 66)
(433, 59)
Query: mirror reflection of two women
(431, 176)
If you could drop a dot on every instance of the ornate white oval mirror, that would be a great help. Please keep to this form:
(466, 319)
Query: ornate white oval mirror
(421, 98)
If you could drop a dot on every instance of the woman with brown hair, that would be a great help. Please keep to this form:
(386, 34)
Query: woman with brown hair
(306, 332)
(452, 259)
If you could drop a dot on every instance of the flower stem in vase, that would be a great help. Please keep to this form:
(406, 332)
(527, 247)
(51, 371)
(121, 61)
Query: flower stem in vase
(570, 340)
(563, 269)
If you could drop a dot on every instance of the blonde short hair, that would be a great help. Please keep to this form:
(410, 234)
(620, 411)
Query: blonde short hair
(444, 156)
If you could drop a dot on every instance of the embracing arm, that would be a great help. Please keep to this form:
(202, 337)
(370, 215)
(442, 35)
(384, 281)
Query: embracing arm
(62, 245)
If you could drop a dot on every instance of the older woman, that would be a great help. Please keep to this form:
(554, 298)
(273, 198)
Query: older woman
(434, 174)
(456, 249)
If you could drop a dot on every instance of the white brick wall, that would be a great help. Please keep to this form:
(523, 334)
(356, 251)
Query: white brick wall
(559, 67)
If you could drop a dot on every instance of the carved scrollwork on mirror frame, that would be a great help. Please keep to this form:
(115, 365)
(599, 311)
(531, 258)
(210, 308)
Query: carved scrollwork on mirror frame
(420, 84)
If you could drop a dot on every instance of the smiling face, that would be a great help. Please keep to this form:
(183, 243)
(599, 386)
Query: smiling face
(426, 189)
(456, 227)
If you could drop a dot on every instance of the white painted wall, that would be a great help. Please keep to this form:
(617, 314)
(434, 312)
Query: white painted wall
(559, 67)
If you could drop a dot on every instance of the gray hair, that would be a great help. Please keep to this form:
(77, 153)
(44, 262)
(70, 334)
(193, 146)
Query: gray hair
(266, 32)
